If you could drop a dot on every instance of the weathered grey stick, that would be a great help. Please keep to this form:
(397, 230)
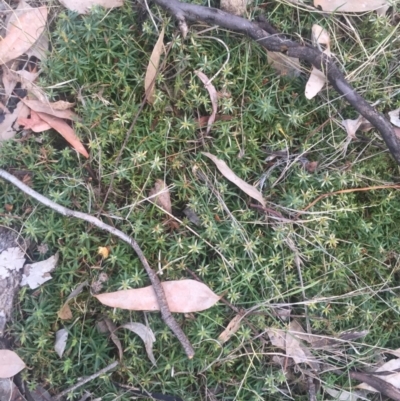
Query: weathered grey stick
(155, 281)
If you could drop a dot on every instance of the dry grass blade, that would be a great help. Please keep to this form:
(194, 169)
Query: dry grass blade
(232, 177)
(152, 68)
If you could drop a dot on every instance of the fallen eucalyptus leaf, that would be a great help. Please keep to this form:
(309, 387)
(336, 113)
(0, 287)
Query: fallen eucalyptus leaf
(232, 177)
(10, 364)
(395, 117)
(351, 6)
(12, 259)
(61, 342)
(393, 378)
(84, 6)
(183, 296)
(146, 334)
(152, 68)
(213, 97)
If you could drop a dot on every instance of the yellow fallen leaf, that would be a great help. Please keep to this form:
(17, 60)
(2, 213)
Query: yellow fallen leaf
(103, 251)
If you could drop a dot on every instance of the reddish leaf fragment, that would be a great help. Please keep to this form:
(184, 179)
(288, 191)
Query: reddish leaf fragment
(35, 123)
(48, 108)
(66, 131)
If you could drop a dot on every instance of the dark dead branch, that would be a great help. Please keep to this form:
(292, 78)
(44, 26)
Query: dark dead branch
(276, 42)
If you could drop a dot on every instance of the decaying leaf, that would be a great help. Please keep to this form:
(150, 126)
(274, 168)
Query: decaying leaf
(10, 364)
(111, 328)
(213, 97)
(103, 251)
(48, 108)
(231, 329)
(395, 117)
(23, 29)
(66, 132)
(235, 7)
(295, 349)
(344, 395)
(163, 198)
(392, 378)
(285, 65)
(351, 6)
(84, 6)
(360, 123)
(146, 334)
(8, 125)
(277, 337)
(40, 47)
(61, 342)
(65, 312)
(192, 216)
(38, 273)
(232, 177)
(62, 105)
(317, 79)
(152, 68)
(183, 296)
(12, 259)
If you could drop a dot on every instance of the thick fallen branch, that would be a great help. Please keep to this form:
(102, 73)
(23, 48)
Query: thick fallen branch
(155, 281)
(267, 37)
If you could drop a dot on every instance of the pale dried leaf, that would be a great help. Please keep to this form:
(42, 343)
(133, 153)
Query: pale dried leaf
(277, 338)
(395, 117)
(163, 198)
(321, 36)
(11, 259)
(343, 395)
(285, 65)
(235, 7)
(10, 364)
(232, 177)
(48, 108)
(61, 342)
(350, 6)
(84, 6)
(40, 47)
(213, 97)
(35, 123)
(38, 273)
(315, 83)
(65, 312)
(66, 132)
(62, 105)
(23, 30)
(9, 80)
(296, 350)
(146, 334)
(7, 128)
(231, 329)
(152, 68)
(393, 379)
(183, 296)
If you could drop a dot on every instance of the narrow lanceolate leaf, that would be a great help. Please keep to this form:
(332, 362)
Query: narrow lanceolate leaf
(146, 334)
(183, 296)
(160, 195)
(351, 6)
(61, 342)
(152, 68)
(51, 109)
(23, 29)
(66, 131)
(10, 364)
(213, 97)
(232, 177)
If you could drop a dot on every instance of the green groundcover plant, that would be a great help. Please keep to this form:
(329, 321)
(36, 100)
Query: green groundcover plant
(343, 253)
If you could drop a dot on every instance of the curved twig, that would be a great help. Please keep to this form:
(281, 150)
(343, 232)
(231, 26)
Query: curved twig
(278, 43)
(155, 281)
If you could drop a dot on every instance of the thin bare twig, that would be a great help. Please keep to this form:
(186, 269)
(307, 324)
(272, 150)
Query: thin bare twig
(275, 42)
(86, 380)
(155, 281)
